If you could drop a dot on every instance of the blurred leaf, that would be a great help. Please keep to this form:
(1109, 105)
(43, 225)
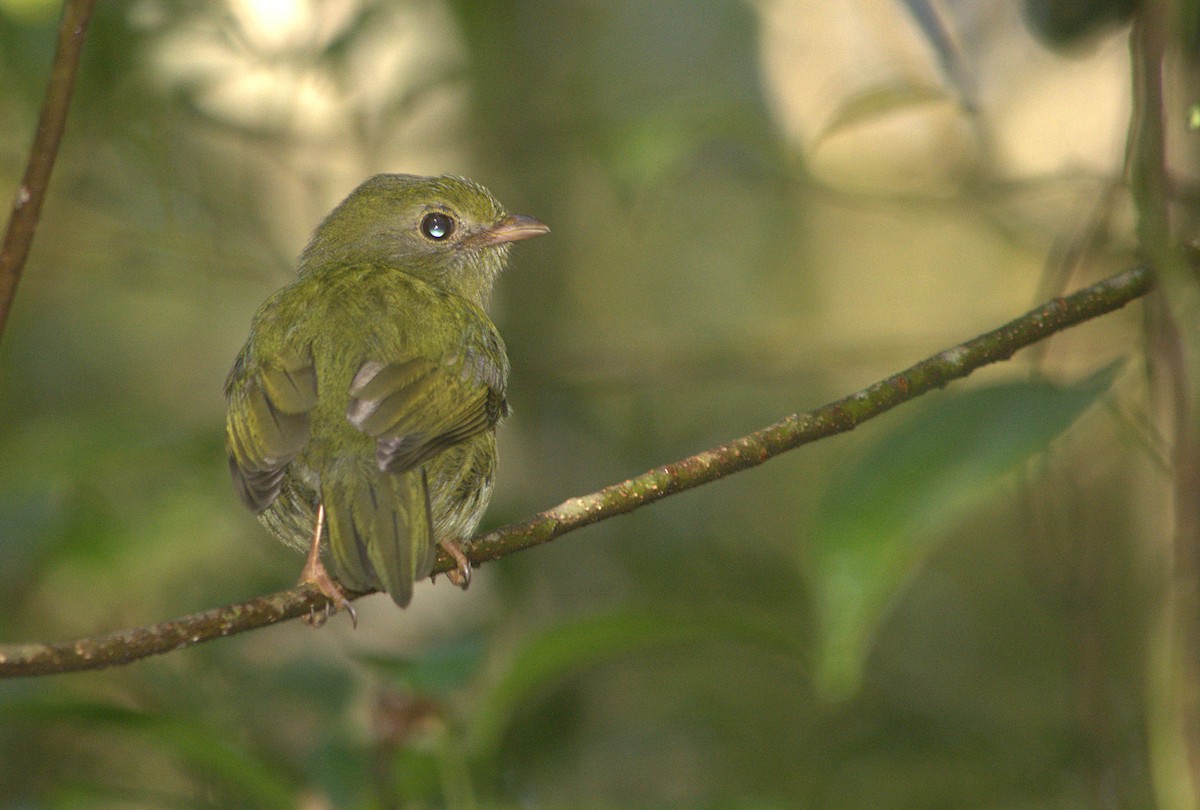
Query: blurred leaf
(573, 647)
(418, 775)
(342, 771)
(309, 682)
(1069, 22)
(887, 511)
(235, 770)
(641, 153)
(30, 11)
(30, 522)
(879, 101)
(437, 672)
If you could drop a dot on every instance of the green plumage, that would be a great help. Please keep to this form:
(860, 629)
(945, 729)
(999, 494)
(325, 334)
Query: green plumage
(373, 383)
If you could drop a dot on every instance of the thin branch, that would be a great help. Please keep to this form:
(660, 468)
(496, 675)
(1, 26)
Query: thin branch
(840, 416)
(789, 433)
(27, 202)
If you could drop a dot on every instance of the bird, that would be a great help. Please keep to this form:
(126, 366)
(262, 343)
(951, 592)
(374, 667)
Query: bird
(362, 409)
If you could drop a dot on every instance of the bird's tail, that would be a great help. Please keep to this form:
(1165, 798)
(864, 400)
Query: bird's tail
(380, 530)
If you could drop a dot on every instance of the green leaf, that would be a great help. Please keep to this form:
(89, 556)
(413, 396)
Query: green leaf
(233, 768)
(881, 518)
(568, 649)
(438, 671)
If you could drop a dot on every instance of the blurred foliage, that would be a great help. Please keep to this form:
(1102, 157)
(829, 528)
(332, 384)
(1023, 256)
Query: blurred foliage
(881, 516)
(1067, 22)
(989, 560)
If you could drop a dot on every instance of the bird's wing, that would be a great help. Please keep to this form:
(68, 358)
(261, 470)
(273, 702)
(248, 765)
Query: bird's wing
(418, 406)
(266, 424)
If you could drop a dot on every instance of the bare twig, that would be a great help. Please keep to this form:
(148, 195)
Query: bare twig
(27, 203)
(789, 433)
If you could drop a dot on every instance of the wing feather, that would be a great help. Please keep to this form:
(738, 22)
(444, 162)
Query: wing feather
(416, 407)
(267, 422)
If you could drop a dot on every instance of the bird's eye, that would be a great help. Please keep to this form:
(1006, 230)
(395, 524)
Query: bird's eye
(437, 226)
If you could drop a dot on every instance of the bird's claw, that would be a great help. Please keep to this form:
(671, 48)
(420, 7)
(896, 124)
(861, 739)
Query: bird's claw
(319, 578)
(461, 574)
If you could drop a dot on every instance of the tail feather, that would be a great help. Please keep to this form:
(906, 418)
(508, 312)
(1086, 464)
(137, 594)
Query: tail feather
(380, 530)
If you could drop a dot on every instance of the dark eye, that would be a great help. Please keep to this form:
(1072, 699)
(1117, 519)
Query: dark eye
(437, 226)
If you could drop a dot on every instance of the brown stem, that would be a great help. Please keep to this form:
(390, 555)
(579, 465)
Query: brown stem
(27, 202)
(789, 433)
(1172, 352)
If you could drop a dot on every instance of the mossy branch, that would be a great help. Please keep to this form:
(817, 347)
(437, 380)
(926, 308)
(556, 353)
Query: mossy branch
(839, 416)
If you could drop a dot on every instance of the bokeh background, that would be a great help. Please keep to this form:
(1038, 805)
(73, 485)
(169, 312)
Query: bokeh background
(756, 207)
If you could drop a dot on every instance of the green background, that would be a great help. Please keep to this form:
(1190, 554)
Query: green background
(958, 605)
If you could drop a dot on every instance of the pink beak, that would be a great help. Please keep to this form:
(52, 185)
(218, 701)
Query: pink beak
(513, 228)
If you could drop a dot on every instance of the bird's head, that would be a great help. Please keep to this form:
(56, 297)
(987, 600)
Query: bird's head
(447, 229)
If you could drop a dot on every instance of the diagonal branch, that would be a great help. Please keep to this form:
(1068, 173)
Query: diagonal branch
(27, 203)
(839, 416)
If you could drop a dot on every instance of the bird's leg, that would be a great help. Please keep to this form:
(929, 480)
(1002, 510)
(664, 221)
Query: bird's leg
(314, 573)
(460, 576)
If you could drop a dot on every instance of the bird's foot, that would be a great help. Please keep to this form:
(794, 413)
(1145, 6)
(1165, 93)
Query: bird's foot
(460, 576)
(314, 574)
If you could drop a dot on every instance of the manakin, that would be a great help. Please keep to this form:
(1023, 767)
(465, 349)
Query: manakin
(362, 410)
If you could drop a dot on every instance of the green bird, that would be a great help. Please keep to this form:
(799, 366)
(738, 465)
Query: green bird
(362, 410)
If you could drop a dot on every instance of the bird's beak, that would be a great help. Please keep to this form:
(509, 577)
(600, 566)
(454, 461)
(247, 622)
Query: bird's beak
(513, 228)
